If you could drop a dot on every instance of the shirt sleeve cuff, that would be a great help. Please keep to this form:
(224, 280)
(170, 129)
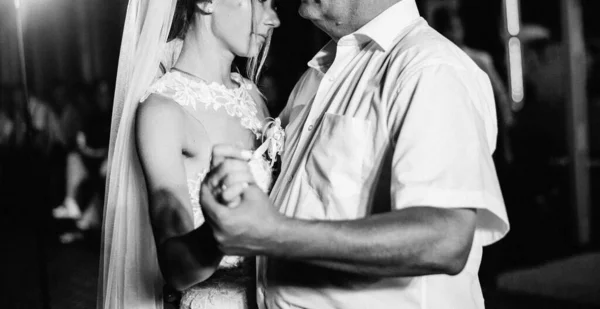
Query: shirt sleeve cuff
(492, 220)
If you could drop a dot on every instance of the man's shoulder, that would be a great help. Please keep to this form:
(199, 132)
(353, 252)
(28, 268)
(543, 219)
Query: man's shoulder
(423, 47)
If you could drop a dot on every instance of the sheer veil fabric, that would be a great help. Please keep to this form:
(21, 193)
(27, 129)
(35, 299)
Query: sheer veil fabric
(129, 274)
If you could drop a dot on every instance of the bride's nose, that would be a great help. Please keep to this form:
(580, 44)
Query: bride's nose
(272, 19)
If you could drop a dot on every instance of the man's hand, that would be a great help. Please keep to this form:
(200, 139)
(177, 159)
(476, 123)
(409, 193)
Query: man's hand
(243, 219)
(246, 229)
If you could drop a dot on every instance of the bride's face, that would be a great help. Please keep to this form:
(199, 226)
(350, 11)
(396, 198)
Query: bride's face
(243, 25)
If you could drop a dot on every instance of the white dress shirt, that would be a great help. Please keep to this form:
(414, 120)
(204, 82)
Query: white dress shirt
(390, 117)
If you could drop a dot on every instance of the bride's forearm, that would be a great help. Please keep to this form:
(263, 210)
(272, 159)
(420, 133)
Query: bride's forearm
(189, 259)
(186, 255)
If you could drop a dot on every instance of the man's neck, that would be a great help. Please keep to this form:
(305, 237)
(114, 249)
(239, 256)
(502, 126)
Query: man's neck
(362, 12)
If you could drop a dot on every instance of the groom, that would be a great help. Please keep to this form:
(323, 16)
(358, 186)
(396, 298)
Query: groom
(388, 191)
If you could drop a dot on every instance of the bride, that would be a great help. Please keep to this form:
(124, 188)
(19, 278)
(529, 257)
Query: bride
(176, 97)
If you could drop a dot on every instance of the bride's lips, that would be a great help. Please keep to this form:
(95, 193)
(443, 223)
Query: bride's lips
(261, 36)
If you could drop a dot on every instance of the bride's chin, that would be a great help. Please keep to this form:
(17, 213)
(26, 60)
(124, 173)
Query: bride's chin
(254, 51)
(251, 49)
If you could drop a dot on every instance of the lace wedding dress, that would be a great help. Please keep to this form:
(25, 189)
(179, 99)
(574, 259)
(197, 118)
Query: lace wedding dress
(233, 284)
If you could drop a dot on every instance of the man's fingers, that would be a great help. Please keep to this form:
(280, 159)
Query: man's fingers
(232, 194)
(222, 152)
(235, 178)
(253, 192)
(210, 205)
(235, 203)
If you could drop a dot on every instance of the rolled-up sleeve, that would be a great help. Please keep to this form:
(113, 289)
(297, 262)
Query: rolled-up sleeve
(445, 137)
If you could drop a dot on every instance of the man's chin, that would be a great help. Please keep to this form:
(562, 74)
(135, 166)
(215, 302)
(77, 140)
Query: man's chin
(304, 10)
(309, 10)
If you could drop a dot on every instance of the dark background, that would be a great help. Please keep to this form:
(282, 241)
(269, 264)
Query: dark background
(71, 44)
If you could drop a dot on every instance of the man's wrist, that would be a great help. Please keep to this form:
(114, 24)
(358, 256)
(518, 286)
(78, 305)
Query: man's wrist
(278, 236)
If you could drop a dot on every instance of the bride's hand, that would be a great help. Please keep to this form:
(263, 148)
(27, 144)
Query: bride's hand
(221, 152)
(228, 181)
(232, 185)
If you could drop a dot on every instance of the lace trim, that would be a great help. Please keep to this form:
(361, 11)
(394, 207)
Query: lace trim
(213, 298)
(226, 288)
(194, 185)
(191, 91)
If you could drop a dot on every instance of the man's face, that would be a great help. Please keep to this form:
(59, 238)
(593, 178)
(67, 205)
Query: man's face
(334, 17)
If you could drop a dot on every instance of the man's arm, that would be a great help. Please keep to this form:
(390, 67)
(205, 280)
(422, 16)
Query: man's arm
(186, 255)
(411, 242)
(408, 242)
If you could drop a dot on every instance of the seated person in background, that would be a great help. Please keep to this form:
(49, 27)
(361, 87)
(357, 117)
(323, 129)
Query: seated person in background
(7, 125)
(88, 163)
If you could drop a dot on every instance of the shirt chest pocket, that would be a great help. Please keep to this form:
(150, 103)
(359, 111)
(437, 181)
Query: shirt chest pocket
(338, 163)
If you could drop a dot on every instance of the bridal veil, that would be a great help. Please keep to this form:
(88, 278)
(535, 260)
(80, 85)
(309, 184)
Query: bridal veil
(129, 274)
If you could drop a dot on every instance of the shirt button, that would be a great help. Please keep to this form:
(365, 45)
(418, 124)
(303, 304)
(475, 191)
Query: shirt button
(290, 179)
(311, 127)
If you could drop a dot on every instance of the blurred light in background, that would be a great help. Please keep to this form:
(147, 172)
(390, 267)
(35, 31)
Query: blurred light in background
(516, 69)
(515, 59)
(513, 23)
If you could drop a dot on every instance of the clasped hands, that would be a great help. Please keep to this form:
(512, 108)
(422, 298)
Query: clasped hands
(243, 220)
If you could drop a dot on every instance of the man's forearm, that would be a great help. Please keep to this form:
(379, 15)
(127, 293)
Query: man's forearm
(410, 242)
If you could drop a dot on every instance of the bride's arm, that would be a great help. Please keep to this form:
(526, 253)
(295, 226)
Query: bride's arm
(186, 255)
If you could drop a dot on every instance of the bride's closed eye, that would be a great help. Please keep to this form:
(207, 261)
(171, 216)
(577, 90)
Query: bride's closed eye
(274, 4)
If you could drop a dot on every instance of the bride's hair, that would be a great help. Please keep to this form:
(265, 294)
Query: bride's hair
(183, 19)
(184, 14)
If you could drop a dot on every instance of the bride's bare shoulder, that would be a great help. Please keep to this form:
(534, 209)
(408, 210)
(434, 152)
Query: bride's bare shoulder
(159, 106)
(159, 113)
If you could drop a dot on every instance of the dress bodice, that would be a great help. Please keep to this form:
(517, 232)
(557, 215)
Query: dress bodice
(194, 94)
(229, 286)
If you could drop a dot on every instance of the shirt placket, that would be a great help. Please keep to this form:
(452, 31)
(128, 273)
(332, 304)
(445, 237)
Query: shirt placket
(329, 81)
(330, 78)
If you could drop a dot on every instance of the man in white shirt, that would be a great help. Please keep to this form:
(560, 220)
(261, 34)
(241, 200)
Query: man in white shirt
(388, 191)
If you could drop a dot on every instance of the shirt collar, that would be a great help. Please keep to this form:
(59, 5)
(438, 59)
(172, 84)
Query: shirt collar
(383, 30)
(324, 58)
